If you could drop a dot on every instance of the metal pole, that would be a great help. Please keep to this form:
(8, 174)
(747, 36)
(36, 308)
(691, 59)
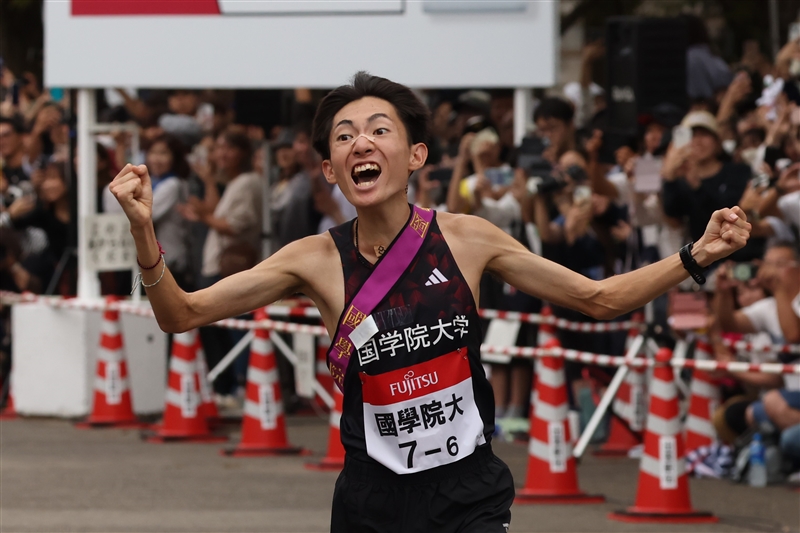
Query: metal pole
(88, 282)
(522, 106)
(679, 354)
(774, 32)
(292, 358)
(226, 361)
(605, 401)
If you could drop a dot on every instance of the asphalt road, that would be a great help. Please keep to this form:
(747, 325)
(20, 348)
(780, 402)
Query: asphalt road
(56, 478)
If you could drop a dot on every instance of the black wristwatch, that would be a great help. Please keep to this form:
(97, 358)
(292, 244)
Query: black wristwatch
(696, 271)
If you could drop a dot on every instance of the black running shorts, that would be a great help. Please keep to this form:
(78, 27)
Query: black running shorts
(473, 495)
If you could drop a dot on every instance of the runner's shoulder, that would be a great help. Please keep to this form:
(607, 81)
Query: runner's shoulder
(467, 227)
(310, 254)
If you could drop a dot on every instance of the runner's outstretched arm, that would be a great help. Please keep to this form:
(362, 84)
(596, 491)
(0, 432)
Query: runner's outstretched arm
(175, 310)
(727, 231)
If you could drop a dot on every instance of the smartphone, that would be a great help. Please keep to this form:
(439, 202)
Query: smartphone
(794, 31)
(501, 177)
(744, 271)
(681, 136)
(647, 175)
(582, 193)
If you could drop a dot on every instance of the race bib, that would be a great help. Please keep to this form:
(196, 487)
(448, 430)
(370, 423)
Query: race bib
(423, 416)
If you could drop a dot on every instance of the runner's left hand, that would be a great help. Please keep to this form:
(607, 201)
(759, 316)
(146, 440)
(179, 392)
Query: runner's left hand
(726, 232)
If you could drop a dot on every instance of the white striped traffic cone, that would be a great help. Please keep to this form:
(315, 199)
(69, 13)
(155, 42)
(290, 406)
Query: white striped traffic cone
(663, 491)
(183, 418)
(208, 408)
(628, 411)
(112, 405)
(264, 421)
(334, 459)
(552, 476)
(704, 400)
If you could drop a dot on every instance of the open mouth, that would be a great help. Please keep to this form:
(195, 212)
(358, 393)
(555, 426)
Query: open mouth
(365, 174)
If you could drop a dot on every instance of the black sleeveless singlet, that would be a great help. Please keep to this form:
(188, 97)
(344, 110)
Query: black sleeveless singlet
(428, 339)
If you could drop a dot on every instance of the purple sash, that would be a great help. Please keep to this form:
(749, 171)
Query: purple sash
(394, 263)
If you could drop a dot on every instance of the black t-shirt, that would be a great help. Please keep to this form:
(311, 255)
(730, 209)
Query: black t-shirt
(723, 189)
(15, 174)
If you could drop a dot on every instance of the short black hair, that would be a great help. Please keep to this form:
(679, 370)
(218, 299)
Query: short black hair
(240, 141)
(180, 166)
(789, 245)
(554, 107)
(17, 124)
(415, 115)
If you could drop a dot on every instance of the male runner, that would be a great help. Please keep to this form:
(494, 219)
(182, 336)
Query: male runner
(418, 411)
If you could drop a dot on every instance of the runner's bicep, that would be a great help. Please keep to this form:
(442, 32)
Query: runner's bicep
(271, 280)
(545, 279)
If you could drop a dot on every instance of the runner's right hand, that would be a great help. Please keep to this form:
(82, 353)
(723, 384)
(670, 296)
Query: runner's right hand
(134, 192)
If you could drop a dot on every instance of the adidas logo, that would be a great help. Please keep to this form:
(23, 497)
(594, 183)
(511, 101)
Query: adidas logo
(436, 278)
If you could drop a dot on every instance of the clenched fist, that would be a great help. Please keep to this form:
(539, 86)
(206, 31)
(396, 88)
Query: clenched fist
(727, 231)
(134, 192)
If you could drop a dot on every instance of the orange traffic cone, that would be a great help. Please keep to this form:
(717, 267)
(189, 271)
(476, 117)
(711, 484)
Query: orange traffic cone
(626, 417)
(183, 418)
(552, 477)
(112, 406)
(703, 402)
(323, 374)
(334, 460)
(264, 423)
(8, 412)
(663, 492)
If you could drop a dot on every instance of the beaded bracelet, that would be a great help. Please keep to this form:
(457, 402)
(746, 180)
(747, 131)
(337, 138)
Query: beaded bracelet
(160, 257)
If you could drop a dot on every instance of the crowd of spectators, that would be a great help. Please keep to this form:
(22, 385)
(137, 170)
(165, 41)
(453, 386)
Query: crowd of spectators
(596, 203)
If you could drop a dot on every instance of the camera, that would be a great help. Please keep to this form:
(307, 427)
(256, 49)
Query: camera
(744, 271)
(15, 192)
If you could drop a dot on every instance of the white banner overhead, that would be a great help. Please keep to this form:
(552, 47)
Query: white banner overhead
(299, 43)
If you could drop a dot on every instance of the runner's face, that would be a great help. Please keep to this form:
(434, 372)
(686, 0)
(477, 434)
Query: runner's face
(370, 155)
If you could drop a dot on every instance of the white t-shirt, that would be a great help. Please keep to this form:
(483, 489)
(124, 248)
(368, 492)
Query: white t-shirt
(763, 315)
(789, 204)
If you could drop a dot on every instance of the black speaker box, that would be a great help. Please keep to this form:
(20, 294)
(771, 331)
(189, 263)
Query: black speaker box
(646, 62)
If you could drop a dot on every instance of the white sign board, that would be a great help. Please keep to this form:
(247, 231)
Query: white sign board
(109, 244)
(299, 43)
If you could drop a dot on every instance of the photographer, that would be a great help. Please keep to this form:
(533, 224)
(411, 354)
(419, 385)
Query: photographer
(585, 232)
(697, 181)
(16, 165)
(50, 212)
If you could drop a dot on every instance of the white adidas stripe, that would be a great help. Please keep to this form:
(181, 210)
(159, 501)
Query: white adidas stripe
(435, 278)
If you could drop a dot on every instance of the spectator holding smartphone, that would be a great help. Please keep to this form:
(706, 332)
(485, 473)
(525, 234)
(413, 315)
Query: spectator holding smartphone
(697, 181)
(554, 123)
(487, 192)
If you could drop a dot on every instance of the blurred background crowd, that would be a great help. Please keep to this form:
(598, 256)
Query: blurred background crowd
(602, 183)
